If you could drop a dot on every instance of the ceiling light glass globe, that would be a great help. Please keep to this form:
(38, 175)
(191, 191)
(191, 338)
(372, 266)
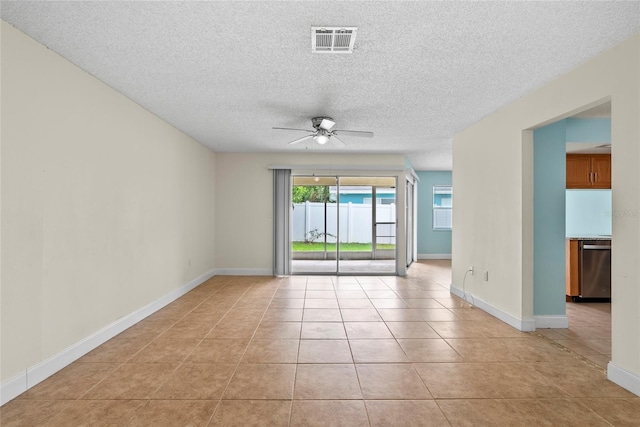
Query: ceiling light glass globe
(322, 139)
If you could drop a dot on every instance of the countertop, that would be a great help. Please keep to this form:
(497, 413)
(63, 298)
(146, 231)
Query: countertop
(593, 237)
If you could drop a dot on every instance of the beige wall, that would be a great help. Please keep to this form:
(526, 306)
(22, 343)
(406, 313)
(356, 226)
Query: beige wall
(105, 207)
(493, 198)
(244, 197)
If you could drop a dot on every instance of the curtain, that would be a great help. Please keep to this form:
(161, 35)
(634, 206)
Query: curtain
(281, 222)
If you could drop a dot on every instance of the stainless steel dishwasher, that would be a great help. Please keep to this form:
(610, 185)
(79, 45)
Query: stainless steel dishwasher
(595, 269)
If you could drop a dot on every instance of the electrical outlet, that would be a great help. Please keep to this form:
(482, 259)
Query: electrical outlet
(485, 276)
(471, 270)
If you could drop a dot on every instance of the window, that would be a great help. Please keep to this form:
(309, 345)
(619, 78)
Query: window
(442, 207)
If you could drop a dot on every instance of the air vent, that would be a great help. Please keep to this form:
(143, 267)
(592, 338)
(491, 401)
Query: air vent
(333, 39)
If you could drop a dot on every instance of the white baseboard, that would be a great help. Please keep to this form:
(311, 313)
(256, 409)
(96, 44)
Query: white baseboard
(434, 256)
(623, 378)
(551, 322)
(43, 370)
(525, 324)
(13, 387)
(244, 272)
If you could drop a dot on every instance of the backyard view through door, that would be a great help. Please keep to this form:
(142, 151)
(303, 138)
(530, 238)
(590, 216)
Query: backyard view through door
(343, 225)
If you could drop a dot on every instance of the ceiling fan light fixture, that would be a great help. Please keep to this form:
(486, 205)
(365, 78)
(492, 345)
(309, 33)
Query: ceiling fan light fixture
(321, 139)
(327, 123)
(323, 132)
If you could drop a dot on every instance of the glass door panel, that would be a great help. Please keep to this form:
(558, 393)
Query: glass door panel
(314, 221)
(366, 225)
(385, 225)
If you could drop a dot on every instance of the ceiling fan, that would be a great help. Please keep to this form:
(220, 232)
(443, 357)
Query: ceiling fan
(323, 132)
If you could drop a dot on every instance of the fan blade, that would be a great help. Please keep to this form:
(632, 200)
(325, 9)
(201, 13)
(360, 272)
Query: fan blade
(338, 140)
(304, 138)
(303, 130)
(327, 124)
(354, 133)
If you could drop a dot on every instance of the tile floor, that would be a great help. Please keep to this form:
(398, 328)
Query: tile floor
(305, 351)
(589, 332)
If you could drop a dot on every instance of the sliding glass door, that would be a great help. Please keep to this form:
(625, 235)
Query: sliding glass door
(343, 225)
(314, 222)
(367, 225)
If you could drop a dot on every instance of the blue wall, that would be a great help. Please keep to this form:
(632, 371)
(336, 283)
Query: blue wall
(588, 130)
(431, 242)
(549, 165)
(549, 198)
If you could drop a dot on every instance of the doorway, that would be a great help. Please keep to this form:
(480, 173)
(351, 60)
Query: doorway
(343, 225)
(588, 217)
(566, 214)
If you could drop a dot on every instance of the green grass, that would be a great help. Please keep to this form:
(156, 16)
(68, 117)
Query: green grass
(331, 247)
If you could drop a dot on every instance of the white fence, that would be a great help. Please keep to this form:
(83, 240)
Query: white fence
(355, 222)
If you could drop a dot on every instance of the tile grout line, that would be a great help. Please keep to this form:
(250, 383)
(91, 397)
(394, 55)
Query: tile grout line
(295, 375)
(353, 359)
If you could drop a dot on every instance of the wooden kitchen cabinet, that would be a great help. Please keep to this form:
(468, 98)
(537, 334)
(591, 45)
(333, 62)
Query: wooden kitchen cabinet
(572, 269)
(601, 167)
(589, 171)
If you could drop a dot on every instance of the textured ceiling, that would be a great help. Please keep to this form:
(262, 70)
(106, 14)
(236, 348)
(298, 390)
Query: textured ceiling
(226, 72)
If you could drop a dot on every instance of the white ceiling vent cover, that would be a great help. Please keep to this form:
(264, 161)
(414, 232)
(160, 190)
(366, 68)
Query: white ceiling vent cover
(333, 39)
